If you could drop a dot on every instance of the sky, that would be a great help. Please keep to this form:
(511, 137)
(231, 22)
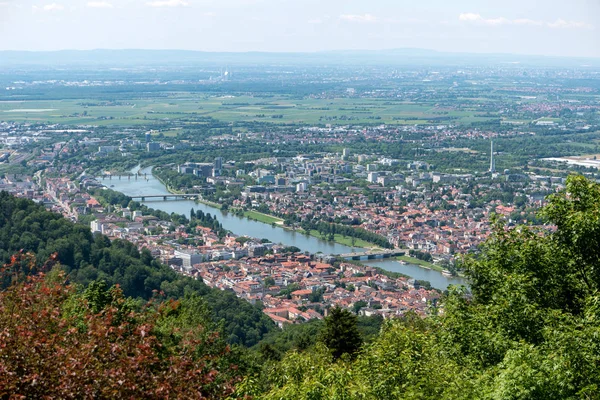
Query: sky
(541, 27)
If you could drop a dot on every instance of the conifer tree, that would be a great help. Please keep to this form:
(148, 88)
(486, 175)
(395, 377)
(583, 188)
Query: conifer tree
(340, 333)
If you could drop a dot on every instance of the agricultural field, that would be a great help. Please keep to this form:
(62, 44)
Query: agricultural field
(194, 109)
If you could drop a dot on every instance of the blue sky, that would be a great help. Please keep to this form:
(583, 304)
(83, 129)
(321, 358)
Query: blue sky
(547, 27)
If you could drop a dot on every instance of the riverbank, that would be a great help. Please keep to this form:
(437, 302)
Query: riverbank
(420, 263)
(253, 215)
(345, 240)
(272, 220)
(210, 203)
(264, 218)
(169, 188)
(424, 264)
(382, 271)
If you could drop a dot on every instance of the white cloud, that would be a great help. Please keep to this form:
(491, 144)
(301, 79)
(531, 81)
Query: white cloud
(560, 23)
(49, 7)
(477, 18)
(368, 18)
(99, 4)
(168, 3)
(470, 17)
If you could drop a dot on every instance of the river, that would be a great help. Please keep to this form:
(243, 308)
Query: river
(244, 226)
(436, 279)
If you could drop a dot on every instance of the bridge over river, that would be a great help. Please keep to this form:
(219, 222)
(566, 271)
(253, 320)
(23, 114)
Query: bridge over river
(128, 177)
(373, 254)
(187, 196)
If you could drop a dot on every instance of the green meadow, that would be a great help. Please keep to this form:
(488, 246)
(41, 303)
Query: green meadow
(192, 109)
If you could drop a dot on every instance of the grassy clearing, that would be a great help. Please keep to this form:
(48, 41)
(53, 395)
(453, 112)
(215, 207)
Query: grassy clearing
(416, 261)
(264, 218)
(346, 240)
(210, 203)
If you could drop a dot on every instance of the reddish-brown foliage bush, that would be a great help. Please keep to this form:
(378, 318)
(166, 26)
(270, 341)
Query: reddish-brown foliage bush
(47, 353)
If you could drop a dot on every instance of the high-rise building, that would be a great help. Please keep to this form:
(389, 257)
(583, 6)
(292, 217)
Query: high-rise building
(302, 187)
(492, 161)
(203, 170)
(189, 258)
(97, 226)
(218, 163)
(372, 177)
(152, 146)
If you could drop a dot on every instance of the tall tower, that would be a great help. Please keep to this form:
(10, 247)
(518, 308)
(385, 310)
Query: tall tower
(492, 161)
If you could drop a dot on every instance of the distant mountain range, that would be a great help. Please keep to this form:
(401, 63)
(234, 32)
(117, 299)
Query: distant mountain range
(341, 57)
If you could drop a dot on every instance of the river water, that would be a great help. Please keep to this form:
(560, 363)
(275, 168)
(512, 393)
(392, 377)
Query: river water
(243, 226)
(436, 279)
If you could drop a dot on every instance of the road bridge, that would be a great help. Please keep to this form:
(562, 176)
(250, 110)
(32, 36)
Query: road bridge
(373, 254)
(144, 197)
(129, 177)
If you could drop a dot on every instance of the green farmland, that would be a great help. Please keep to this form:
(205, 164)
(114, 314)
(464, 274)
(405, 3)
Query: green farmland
(193, 109)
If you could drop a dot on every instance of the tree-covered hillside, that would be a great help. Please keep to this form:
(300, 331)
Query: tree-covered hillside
(27, 227)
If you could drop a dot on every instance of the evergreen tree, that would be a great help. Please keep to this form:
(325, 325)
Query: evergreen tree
(340, 333)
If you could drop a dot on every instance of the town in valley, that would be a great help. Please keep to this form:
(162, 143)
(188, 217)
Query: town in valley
(358, 178)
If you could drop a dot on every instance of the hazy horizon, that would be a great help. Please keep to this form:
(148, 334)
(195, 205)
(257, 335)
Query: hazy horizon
(325, 58)
(291, 52)
(519, 27)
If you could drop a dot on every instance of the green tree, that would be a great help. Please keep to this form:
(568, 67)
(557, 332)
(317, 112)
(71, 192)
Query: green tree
(97, 295)
(358, 305)
(316, 296)
(269, 281)
(291, 249)
(340, 333)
